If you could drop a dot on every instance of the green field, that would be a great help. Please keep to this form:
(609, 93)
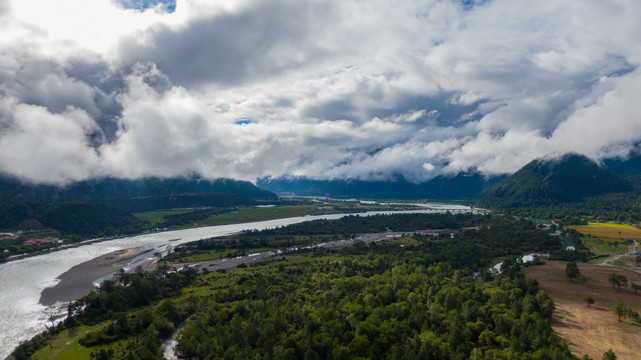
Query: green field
(604, 245)
(258, 214)
(240, 216)
(65, 346)
(157, 217)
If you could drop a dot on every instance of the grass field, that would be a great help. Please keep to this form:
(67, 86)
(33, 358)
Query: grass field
(607, 230)
(156, 217)
(258, 214)
(65, 345)
(605, 245)
(241, 216)
(596, 329)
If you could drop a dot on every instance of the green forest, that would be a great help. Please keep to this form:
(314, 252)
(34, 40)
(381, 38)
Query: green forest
(428, 297)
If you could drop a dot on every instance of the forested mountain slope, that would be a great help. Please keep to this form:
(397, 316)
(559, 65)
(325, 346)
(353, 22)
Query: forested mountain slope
(144, 194)
(544, 182)
(103, 206)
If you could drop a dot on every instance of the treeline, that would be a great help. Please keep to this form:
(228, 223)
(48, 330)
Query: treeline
(86, 219)
(317, 231)
(621, 207)
(193, 216)
(356, 308)
(184, 200)
(477, 250)
(497, 237)
(376, 223)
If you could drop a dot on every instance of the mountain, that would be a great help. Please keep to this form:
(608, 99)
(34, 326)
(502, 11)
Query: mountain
(552, 181)
(105, 205)
(144, 194)
(68, 217)
(628, 168)
(463, 186)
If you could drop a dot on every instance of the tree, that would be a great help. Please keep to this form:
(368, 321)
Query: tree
(609, 355)
(631, 313)
(618, 280)
(589, 300)
(620, 310)
(53, 313)
(572, 271)
(635, 287)
(623, 281)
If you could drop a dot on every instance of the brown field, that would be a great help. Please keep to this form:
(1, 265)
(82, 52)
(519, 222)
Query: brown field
(596, 329)
(612, 231)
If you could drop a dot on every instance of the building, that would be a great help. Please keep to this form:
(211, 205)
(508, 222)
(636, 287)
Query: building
(48, 240)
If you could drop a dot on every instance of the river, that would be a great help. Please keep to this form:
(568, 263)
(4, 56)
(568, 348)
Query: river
(22, 281)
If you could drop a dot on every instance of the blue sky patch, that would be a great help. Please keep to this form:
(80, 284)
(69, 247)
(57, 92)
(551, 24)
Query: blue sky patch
(169, 5)
(243, 121)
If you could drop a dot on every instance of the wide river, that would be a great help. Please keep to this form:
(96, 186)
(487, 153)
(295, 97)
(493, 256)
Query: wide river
(22, 281)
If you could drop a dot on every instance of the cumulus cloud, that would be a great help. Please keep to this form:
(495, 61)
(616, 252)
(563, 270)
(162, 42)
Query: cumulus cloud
(43, 147)
(326, 89)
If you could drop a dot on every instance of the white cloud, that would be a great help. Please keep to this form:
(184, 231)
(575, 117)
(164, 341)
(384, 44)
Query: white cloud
(339, 89)
(45, 147)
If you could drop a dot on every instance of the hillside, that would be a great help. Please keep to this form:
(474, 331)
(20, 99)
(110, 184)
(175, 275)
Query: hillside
(144, 194)
(628, 168)
(103, 206)
(67, 217)
(546, 182)
(463, 186)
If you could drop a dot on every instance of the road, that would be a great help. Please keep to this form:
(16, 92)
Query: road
(631, 250)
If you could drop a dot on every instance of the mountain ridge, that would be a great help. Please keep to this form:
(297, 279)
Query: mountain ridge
(547, 181)
(105, 205)
(462, 186)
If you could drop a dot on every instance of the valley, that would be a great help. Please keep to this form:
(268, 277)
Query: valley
(453, 244)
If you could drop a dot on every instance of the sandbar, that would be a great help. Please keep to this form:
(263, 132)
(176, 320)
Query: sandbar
(78, 281)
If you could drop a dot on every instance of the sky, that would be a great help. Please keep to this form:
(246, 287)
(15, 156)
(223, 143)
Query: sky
(324, 89)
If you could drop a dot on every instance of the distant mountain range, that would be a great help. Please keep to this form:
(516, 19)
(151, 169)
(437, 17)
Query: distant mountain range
(463, 186)
(547, 182)
(89, 206)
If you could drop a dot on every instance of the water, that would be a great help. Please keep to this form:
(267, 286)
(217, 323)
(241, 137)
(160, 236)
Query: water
(168, 345)
(22, 281)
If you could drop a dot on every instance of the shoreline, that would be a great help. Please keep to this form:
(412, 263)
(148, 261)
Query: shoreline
(65, 246)
(79, 280)
(97, 240)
